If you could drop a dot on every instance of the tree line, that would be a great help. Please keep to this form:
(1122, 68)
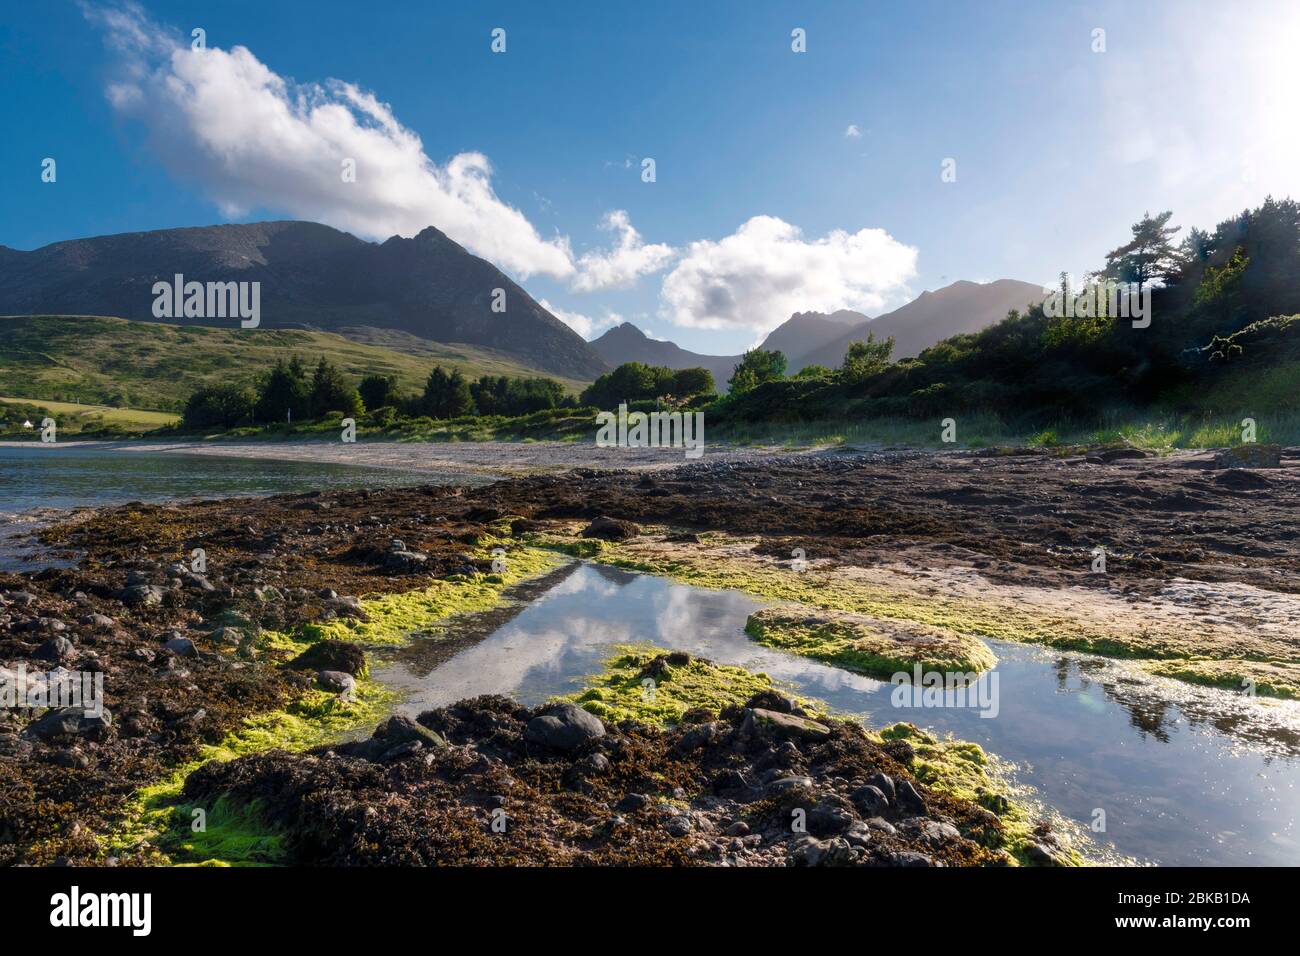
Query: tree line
(1213, 297)
(289, 393)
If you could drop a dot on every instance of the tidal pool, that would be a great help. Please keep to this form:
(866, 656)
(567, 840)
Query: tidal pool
(1185, 775)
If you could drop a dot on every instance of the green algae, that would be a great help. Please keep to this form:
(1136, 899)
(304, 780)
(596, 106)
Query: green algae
(391, 618)
(959, 768)
(872, 646)
(621, 691)
(1180, 653)
(1279, 679)
(236, 834)
(964, 770)
(156, 815)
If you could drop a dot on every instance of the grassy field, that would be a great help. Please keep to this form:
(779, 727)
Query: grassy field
(146, 365)
(105, 413)
(74, 419)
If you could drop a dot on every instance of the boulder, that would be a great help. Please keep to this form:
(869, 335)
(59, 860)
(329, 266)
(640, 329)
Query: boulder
(771, 700)
(1253, 455)
(400, 729)
(394, 739)
(773, 725)
(909, 801)
(228, 635)
(331, 655)
(405, 562)
(870, 801)
(181, 647)
(336, 682)
(884, 783)
(611, 529)
(564, 727)
(56, 649)
(1239, 479)
(938, 834)
(67, 722)
(137, 595)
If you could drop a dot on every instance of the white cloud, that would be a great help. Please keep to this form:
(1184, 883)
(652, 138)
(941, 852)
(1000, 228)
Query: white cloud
(853, 132)
(765, 271)
(256, 140)
(620, 267)
(584, 325)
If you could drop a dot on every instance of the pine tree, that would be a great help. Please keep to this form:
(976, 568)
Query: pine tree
(1150, 254)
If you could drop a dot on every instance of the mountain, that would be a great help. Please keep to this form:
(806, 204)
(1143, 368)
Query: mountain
(815, 338)
(312, 276)
(627, 343)
(805, 331)
(930, 318)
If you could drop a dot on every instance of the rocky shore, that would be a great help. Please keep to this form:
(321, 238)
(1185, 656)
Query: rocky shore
(231, 638)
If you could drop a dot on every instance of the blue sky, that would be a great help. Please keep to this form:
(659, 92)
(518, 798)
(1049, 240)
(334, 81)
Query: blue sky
(764, 202)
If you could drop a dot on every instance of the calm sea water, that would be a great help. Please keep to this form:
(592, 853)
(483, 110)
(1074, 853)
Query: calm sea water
(34, 478)
(1185, 775)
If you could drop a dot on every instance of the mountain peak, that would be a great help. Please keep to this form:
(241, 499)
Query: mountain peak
(310, 275)
(624, 331)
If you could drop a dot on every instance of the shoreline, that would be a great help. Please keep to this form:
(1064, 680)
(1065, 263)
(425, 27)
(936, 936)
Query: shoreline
(902, 548)
(478, 458)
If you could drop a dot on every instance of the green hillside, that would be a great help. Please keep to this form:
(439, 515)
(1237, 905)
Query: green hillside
(146, 365)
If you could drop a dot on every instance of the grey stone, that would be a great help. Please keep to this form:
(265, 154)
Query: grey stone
(337, 682)
(910, 859)
(827, 819)
(870, 801)
(564, 727)
(678, 826)
(909, 801)
(400, 729)
(228, 635)
(67, 722)
(785, 785)
(56, 649)
(141, 594)
(770, 724)
(611, 529)
(885, 784)
(938, 834)
(405, 561)
(1250, 456)
(181, 647)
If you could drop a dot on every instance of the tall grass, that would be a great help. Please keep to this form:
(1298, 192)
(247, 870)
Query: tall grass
(1153, 430)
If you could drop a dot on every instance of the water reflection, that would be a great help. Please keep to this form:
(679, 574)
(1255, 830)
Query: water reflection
(1186, 775)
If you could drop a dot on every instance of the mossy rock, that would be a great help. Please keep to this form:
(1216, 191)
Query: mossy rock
(1250, 456)
(876, 646)
(332, 655)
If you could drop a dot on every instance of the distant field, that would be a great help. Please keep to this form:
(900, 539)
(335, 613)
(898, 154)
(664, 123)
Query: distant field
(76, 419)
(145, 365)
